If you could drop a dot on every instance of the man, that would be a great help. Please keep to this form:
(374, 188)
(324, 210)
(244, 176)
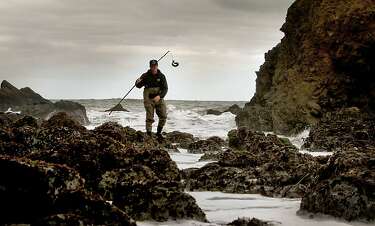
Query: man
(156, 88)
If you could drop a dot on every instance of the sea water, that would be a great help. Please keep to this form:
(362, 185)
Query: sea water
(185, 116)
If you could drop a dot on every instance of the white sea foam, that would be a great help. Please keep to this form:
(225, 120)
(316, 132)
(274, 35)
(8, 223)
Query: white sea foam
(187, 160)
(10, 111)
(298, 141)
(186, 116)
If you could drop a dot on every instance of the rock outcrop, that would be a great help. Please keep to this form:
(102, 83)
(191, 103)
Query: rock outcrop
(31, 103)
(211, 144)
(106, 164)
(234, 109)
(345, 186)
(40, 193)
(180, 139)
(256, 163)
(325, 61)
(339, 129)
(249, 222)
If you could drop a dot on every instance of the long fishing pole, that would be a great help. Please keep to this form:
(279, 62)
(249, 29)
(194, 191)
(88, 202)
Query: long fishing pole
(134, 86)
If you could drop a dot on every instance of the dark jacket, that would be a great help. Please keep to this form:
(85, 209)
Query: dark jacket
(148, 80)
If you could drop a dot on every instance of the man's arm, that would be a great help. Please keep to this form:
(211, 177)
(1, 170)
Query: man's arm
(140, 82)
(163, 87)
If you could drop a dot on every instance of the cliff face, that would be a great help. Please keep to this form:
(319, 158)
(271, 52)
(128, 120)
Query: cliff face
(326, 61)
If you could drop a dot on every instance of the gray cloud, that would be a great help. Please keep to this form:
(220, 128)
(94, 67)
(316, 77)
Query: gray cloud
(82, 46)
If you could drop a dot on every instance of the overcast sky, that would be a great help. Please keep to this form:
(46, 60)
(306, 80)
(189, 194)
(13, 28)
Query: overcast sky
(97, 48)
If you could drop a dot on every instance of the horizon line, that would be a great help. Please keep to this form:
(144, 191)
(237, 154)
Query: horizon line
(118, 98)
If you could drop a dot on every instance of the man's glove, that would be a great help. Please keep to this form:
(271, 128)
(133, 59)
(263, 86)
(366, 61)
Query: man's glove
(138, 80)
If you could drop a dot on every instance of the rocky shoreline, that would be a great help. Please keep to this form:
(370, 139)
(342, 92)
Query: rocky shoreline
(125, 176)
(54, 171)
(74, 172)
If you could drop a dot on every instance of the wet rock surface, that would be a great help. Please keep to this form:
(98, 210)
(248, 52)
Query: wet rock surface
(336, 130)
(234, 109)
(345, 186)
(211, 144)
(181, 139)
(324, 62)
(30, 103)
(74, 110)
(249, 222)
(17, 134)
(142, 181)
(33, 192)
(255, 163)
(211, 148)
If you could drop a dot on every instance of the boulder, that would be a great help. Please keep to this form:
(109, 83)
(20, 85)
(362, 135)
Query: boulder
(127, 135)
(212, 144)
(211, 156)
(146, 195)
(249, 222)
(324, 62)
(120, 133)
(234, 109)
(211, 148)
(338, 129)
(17, 134)
(30, 103)
(74, 110)
(182, 139)
(36, 192)
(345, 186)
(213, 112)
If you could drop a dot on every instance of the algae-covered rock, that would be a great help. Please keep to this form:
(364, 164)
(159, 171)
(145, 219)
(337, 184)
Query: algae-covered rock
(256, 163)
(211, 144)
(145, 195)
(34, 191)
(111, 159)
(249, 222)
(182, 139)
(336, 130)
(345, 186)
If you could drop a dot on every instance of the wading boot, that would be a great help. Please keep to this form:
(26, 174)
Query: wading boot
(159, 134)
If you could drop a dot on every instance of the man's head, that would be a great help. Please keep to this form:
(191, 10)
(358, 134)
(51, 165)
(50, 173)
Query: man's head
(154, 66)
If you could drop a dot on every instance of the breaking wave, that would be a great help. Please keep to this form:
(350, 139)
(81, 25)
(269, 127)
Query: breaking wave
(185, 116)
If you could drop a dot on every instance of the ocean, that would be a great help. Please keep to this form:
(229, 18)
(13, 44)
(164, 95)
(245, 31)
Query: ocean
(184, 116)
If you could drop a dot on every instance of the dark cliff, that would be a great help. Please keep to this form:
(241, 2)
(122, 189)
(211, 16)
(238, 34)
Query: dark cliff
(326, 61)
(31, 103)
